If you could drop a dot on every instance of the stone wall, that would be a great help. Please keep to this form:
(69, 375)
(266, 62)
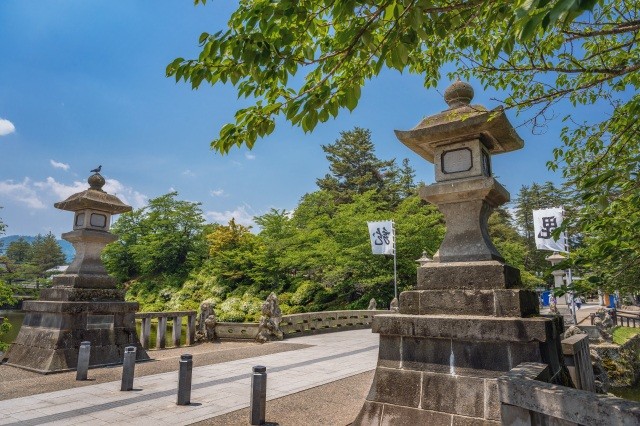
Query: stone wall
(622, 362)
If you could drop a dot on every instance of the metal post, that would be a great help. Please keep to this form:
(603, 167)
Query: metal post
(83, 360)
(258, 395)
(184, 379)
(128, 367)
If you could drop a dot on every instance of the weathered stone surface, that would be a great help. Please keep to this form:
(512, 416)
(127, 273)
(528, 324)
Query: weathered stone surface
(65, 294)
(269, 326)
(515, 303)
(397, 387)
(466, 205)
(491, 400)
(370, 414)
(456, 302)
(501, 303)
(389, 351)
(570, 405)
(453, 394)
(466, 327)
(409, 302)
(405, 416)
(470, 421)
(483, 275)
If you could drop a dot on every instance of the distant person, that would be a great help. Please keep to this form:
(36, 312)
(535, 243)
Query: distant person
(578, 301)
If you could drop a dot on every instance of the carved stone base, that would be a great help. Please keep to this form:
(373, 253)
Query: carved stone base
(442, 369)
(483, 275)
(51, 333)
(498, 303)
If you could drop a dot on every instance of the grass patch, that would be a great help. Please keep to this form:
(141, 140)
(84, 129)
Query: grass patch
(622, 334)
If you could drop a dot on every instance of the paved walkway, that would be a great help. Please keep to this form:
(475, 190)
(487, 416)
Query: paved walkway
(217, 389)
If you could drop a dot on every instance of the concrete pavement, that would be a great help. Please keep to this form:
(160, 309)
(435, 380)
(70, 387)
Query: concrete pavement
(217, 389)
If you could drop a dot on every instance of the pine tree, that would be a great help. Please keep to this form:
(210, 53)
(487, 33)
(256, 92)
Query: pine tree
(19, 251)
(46, 253)
(355, 169)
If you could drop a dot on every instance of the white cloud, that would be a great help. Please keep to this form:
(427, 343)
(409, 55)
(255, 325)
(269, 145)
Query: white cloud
(61, 190)
(6, 127)
(22, 192)
(249, 156)
(57, 165)
(127, 194)
(189, 173)
(240, 215)
(112, 186)
(217, 192)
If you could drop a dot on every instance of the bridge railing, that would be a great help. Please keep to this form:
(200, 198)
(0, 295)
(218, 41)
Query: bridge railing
(291, 325)
(161, 331)
(526, 398)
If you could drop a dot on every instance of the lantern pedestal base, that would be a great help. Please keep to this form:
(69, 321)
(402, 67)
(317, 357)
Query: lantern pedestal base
(51, 333)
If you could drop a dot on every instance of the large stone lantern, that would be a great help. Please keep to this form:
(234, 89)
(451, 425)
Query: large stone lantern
(84, 303)
(468, 321)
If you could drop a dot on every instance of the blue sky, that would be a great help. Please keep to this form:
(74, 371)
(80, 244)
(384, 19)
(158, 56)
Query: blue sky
(83, 83)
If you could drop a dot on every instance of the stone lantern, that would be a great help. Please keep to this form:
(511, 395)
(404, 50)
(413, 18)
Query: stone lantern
(84, 303)
(558, 275)
(467, 321)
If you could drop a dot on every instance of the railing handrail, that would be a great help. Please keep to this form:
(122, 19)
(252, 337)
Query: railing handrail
(163, 314)
(526, 394)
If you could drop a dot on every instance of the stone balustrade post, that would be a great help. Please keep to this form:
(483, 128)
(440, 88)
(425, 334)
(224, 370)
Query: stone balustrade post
(145, 332)
(258, 403)
(575, 350)
(184, 379)
(128, 368)
(161, 333)
(84, 354)
(191, 329)
(177, 330)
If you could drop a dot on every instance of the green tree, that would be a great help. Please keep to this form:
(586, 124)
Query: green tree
(19, 251)
(514, 247)
(536, 197)
(540, 52)
(165, 237)
(407, 179)
(46, 253)
(337, 46)
(6, 294)
(355, 169)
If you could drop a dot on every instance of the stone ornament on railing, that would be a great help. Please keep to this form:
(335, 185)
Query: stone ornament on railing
(393, 306)
(604, 323)
(269, 326)
(372, 305)
(207, 322)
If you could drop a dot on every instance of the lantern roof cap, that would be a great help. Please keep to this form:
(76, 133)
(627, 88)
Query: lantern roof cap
(462, 121)
(94, 198)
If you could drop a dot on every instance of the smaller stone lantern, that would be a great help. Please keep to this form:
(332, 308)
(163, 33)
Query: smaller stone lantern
(84, 303)
(92, 209)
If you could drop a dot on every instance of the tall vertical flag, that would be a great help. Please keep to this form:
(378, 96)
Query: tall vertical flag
(544, 222)
(383, 241)
(382, 235)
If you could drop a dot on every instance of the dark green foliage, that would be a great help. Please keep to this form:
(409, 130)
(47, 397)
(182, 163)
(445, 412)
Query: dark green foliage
(164, 237)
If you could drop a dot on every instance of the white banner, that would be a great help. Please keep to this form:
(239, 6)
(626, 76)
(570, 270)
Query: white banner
(544, 222)
(382, 236)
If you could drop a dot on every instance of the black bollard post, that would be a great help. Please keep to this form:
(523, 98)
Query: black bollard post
(82, 367)
(128, 368)
(184, 379)
(258, 395)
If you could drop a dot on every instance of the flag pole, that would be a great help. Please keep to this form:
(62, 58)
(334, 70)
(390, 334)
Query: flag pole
(395, 273)
(569, 277)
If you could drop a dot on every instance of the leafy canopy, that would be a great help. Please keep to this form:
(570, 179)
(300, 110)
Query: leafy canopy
(336, 46)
